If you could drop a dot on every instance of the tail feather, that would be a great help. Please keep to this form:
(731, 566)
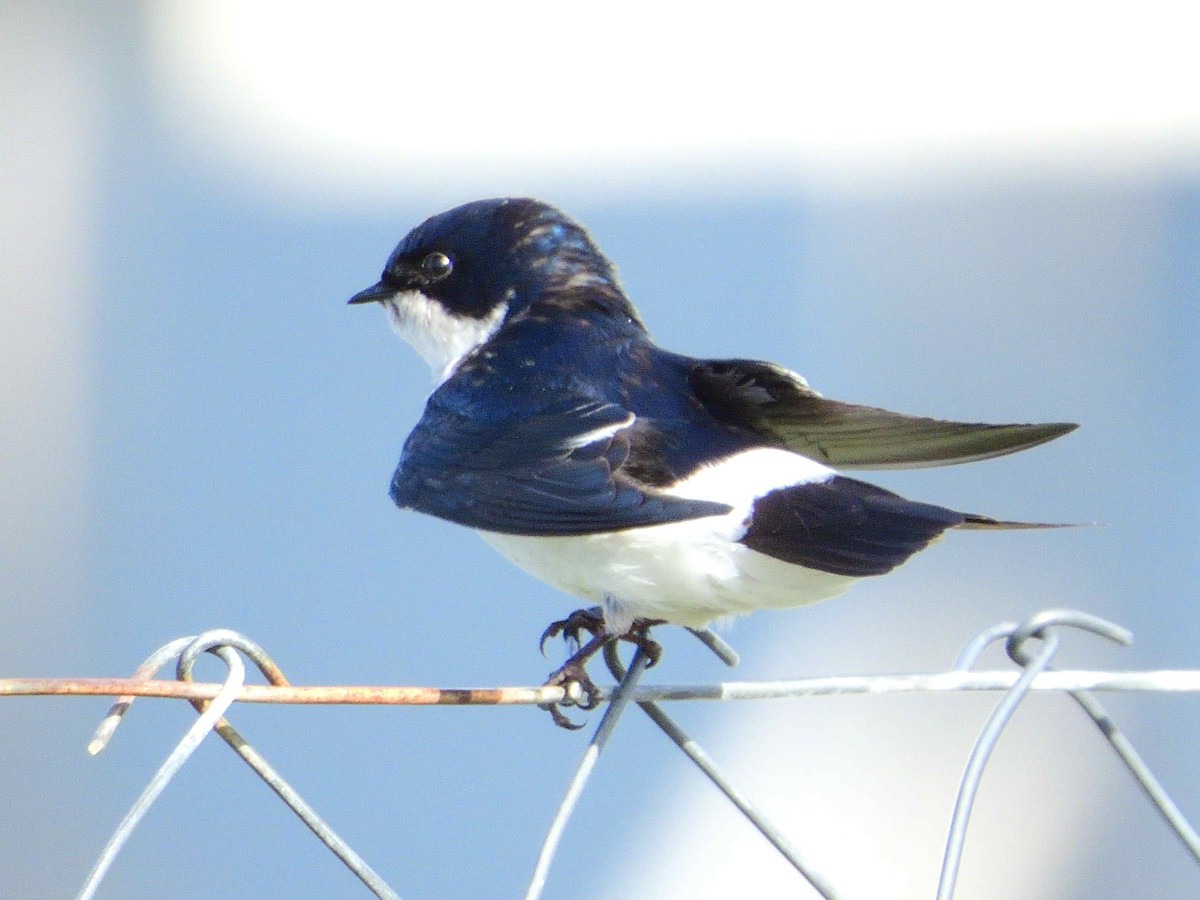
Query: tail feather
(973, 521)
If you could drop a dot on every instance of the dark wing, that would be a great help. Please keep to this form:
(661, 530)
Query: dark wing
(850, 527)
(779, 405)
(556, 472)
(844, 526)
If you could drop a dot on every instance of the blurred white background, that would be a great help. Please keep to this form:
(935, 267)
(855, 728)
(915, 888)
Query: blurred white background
(983, 212)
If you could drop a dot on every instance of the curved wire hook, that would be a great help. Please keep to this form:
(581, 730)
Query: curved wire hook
(1035, 626)
(221, 639)
(224, 637)
(1116, 738)
(1018, 637)
(147, 670)
(223, 643)
(974, 649)
(234, 680)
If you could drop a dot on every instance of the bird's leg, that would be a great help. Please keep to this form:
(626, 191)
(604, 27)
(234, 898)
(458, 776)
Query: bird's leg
(573, 671)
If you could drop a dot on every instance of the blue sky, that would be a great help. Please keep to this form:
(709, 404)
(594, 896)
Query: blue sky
(202, 435)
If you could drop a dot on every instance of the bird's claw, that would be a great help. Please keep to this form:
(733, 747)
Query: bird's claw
(579, 690)
(590, 620)
(578, 686)
(571, 676)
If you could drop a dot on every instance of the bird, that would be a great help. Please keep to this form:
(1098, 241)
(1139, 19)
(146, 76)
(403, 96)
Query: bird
(659, 487)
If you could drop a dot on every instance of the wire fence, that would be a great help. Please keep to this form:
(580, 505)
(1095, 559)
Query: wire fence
(1031, 644)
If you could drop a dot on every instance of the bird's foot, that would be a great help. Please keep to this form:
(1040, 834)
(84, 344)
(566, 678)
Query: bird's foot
(590, 620)
(572, 675)
(578, 688)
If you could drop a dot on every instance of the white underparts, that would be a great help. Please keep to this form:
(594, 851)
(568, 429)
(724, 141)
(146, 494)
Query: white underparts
(442, 338)
(691, 572)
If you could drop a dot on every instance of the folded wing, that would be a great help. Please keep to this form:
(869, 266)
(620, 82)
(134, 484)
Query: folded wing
(780, 406)
(555, 472)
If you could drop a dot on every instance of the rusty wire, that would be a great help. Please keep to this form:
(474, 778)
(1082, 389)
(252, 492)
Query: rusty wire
(172, 764)
(222, 643)
(1152, 681)
(213, 700)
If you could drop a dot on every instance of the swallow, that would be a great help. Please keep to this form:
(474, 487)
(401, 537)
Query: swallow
(660, 487)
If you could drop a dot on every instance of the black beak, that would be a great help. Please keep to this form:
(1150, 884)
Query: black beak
(376, 293)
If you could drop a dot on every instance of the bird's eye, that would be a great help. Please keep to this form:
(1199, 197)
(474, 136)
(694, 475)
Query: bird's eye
(437, 265)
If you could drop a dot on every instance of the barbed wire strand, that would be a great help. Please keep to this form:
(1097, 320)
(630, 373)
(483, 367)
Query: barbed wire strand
(708, 766)
(223, 643)
(583, 771)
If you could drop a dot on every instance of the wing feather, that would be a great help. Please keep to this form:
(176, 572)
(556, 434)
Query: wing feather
(780, 406)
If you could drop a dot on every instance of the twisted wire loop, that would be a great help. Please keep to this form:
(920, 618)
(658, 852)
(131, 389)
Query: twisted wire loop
(1018, 639)
(221, 643)
(1123, 747)
(172, 764)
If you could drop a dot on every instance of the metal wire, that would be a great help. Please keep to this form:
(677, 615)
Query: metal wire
(1150, 785)
(172, 764)
(980, 754)
(1030, 644)
(265, 771)
(717, 645)
(145, 671)
(583, 771)
(221, 642)
(1017, 639)
(1156, 681)
(709, 767)
(1123, 747)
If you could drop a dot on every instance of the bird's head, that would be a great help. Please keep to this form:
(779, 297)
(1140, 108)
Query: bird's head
(455, 279)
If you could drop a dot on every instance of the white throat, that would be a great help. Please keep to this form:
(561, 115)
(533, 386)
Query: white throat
(442, 338)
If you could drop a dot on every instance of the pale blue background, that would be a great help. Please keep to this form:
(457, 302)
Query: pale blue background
(241, 426)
